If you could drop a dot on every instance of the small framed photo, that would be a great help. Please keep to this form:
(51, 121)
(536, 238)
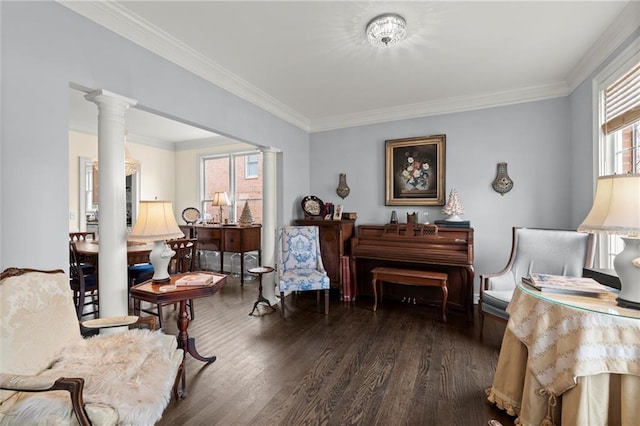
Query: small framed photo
(415, 171)
(337, 212)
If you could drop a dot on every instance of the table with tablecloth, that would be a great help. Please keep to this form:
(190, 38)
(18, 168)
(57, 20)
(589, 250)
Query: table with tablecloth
(569, 360)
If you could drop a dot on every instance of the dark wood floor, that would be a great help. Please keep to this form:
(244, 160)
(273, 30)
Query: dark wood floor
(400, 365)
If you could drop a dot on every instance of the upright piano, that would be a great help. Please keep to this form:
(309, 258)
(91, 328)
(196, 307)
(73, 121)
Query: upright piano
(421, 247)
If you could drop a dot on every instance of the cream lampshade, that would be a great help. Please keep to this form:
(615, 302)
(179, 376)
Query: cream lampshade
(156, 222)
(220, 199)
(616, 210)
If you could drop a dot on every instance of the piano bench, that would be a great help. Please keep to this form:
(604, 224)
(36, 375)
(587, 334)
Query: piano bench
(410, 277)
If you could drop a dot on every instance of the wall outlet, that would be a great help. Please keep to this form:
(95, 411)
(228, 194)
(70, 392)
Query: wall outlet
(72, 215)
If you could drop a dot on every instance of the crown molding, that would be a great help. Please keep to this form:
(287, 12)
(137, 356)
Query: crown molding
(622, 27)
(118, 19)
(215, 143)
(83, 127)
(121, 21)
(91, 128)
(442, 106)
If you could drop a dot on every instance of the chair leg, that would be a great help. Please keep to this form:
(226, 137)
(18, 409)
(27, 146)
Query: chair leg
(282, 302)
(160, 315)
(481, 316)
(193, 315)
(81, 296)
(326, 302)
(96, 304)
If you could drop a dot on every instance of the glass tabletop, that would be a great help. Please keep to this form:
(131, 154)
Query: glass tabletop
(604, 303)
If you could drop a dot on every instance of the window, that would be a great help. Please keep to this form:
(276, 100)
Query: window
(619, 146)
(240, 176)
(251, 166)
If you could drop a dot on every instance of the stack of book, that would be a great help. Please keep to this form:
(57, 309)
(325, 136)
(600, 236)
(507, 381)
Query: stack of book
(564, 284)
(453, 223)
(348, 293)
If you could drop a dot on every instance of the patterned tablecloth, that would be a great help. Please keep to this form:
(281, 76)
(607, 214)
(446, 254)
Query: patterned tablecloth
(566, 337)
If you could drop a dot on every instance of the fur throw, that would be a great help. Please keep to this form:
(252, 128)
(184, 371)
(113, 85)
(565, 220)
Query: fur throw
(132, 371)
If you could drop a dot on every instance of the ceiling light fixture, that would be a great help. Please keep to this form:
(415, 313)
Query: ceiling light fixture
(386, 30)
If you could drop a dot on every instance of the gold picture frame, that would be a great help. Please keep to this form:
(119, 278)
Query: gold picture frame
(415, 171)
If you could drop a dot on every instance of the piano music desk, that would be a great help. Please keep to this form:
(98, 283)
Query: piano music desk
(410, 277)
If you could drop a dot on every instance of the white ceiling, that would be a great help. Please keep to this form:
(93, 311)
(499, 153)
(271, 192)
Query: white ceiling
(309, 62)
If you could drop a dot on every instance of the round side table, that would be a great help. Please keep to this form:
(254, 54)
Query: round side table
(260, 271)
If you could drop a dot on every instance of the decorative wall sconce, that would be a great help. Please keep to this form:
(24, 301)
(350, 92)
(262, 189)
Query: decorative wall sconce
(343, 189)
(502, 183)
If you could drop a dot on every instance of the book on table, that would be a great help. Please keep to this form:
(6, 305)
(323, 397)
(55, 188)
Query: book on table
(564, 284)
(194, 279)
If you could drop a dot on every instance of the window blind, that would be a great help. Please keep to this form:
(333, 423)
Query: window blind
(622, 102)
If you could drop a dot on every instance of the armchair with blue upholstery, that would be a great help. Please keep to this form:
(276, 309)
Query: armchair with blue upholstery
(547, 251)
(300, 265)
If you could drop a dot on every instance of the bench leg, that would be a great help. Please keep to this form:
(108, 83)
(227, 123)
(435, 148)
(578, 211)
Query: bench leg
(445, 293)
(375, 293)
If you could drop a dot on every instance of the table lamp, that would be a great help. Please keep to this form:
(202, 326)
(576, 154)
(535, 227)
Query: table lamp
(220, 199)
(616, 210)
(157, 223)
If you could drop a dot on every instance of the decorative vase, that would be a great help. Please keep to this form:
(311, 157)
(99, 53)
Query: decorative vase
(343, 189)
(502, 183)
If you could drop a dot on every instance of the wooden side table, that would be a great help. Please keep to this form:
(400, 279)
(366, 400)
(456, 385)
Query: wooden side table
(169, 293)
(260, 271)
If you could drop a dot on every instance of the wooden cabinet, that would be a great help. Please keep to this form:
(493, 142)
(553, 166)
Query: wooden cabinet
(335, 242)
(233, 238)
(240, 239)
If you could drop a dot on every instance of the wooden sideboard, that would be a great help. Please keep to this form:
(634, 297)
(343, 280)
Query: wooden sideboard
(335, 237)
(223, 238)
(410, 246)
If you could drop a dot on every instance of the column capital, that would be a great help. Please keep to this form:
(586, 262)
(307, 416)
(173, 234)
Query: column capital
(105, 97)
(270, 150)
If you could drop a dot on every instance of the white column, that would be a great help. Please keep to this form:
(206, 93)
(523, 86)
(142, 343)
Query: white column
(269, 221)
(112, 260)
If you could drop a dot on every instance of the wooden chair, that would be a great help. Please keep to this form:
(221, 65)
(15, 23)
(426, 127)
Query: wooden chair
(182, 261)
(300, 265)
(139, 269)
(84, 283)
(125, 377)
(549, 251)
(87, 264)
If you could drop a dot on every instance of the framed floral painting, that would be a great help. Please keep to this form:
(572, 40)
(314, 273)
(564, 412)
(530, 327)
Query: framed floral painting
(415, 171)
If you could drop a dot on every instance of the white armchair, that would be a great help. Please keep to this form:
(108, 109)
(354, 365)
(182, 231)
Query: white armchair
(547, 251)
(122, 378)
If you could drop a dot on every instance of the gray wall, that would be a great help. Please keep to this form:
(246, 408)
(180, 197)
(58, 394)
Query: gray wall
(533, 138)
(550, 147)
(45, 47)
